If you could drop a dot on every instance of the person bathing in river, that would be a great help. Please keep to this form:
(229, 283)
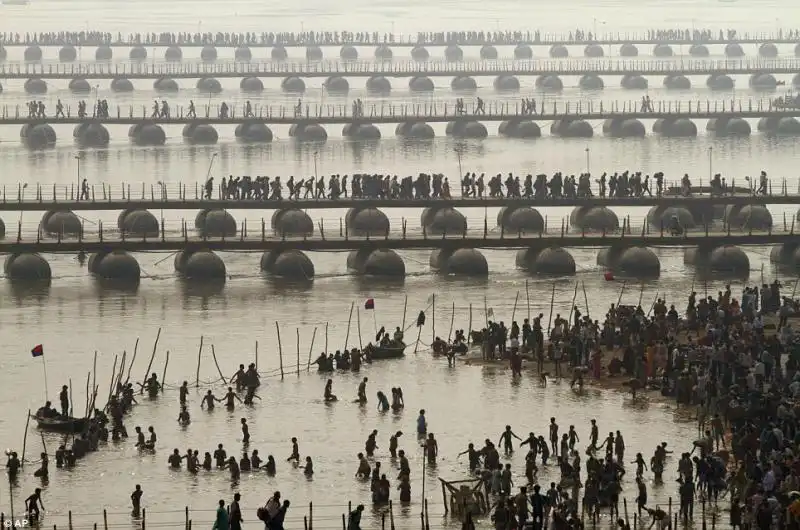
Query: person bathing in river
(230, 398)
(505, 439)
(329, 395)
(295, 456)
(422, 424)
(364, 469)
(393, 443)
(383, 403)
(431, 449)
(371, 444)
(183, 416)
(397, 399)
(362, 391)
(208, 401)
(239, 378)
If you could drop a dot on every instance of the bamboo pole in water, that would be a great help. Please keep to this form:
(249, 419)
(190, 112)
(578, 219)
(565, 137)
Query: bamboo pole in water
(121, 373)
(552, 301)
(214, 356)
(133, 360)
(199, 355)
(25, 438)
(621, 291)
(71, 402)
(280, 348)
(349, 320)
(452, 321)
(153, 356)
(94, 380)
(86, 408)
(585, 297)
(433, 318)
(113, 377)
(326, 338)
(572, 306)
(298, 352)
(469, 331)
(405, 308)
(358, 327)
(514, 310)
(256, 356)
(164, 373)
(528, 300)
(641, 295)
(310, 349)
(486, 312)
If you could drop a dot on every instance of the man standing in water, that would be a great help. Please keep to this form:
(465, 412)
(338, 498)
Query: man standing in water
(505, 439)
(362, 391)
(221, 522)
(235, 513)
(136, 501)
(422, 424)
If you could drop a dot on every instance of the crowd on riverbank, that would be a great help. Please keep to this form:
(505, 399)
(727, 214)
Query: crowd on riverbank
(472, 37)
(737, 361)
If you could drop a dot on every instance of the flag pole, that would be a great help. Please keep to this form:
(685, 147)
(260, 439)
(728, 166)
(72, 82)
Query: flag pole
(44, 369)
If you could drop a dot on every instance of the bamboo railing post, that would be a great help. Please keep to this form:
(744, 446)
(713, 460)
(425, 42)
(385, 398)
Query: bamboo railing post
(105, 520)
(310, 516)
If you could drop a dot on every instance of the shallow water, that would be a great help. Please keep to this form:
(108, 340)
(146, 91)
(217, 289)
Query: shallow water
(76, 316)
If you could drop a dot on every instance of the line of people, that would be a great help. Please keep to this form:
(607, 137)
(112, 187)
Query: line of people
(474, 37)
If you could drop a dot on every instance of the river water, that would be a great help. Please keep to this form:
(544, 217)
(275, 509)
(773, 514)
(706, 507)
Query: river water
(75, 316)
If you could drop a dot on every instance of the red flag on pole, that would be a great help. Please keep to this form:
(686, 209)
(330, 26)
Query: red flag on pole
(609, 276)
(37, 351)
(369, 304)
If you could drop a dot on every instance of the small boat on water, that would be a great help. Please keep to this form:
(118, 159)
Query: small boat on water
(63, 424)
(391, 350)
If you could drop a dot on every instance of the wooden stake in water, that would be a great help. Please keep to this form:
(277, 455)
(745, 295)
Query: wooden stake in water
(528, 300)
(164, 373)
(358, 328)
(280, 348)
(310, 349)
(326, 338)
(133, 360)
(514, 310)
(585, 297)
(199, 355)
(153, 356)
(349, 320)
(452, 321)
(214, 357)
(25, 438)
(641, 295)
(552, 302)
(405, 308)
(298, 352)
(433, 318)
(469, 330)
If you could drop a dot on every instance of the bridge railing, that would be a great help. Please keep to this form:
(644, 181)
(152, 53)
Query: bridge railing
(399, 67)
(181, 192)
(434, 109)
(374, 38)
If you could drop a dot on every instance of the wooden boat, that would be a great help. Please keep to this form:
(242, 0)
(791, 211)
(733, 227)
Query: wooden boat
(61, 424)
(394, 350)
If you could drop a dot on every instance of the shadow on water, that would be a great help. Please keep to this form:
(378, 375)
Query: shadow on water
(22, 291)
(286, 286)
(107, 287)
(202, 288)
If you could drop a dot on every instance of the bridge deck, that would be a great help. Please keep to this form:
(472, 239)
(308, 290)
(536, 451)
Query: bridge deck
(429, 111)
(535, 67)
(261, 241)
(185, 197)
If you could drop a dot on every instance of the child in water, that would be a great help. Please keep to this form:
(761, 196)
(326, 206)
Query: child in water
(329, 395)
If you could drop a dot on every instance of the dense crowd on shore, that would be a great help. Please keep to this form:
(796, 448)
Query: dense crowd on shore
(304, 38)
(437, 186)
(736, 360)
